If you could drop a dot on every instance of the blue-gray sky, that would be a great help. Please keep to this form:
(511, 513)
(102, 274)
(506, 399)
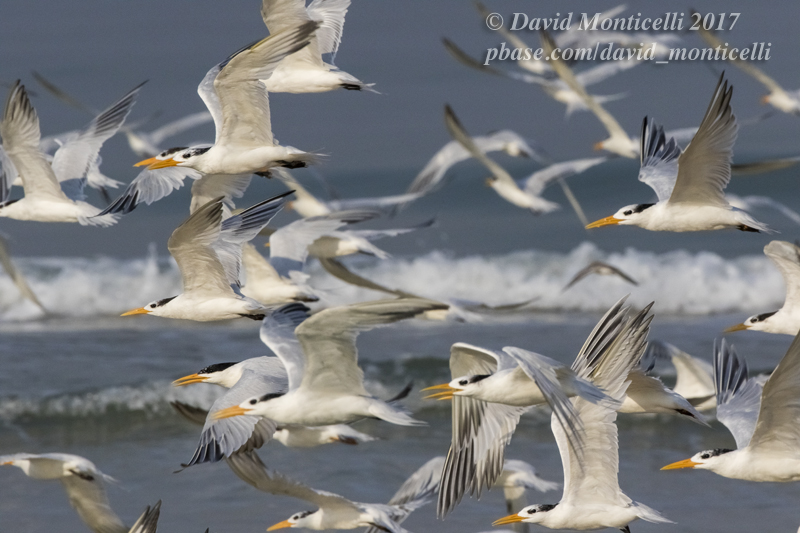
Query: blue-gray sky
(99, 49)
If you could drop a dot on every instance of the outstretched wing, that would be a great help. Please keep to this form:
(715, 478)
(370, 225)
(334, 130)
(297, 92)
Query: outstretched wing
(658, 159)
(704, 168)
(786, 257)
(738, 398)
(329, 340)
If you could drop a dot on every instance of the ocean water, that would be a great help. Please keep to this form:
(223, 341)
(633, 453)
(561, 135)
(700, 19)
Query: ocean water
(82, 380)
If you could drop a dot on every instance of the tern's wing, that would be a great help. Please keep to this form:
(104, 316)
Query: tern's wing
(329, 340)
(212, 186)
(222, 437)
(289, 245)
(72, 160)
(330, 14)
(765, 165)
(658, 159)
(694, 377)
(277, 332)
(249, 467)
(746, 66)
(536, 182)
(423, 482)
(566, 75)
(241, 228)
(150, 186)
(591, 475)
(414, 492)
(87, 495)
(242, 98)
(582, 273)
(430, 177)
(786, 257)
(20, 132)
(460, 134)
(192, 413)
(336, 269)
(376, 234)
(381, 203)
(704, 168)
(191, 244)
(480, 432)
(148, 521)
(16, 275)
(777, 430)
(738, 398)
(604, 334)
(618, 272)
(279, 15)
(8, 173)
(470, 360)
(544, 372)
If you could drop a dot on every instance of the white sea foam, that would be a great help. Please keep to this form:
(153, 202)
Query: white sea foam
(679, 282)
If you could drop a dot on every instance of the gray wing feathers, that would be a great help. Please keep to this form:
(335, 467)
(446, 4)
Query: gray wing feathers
(16, 275)
(602, 336)
(481, 431)
(148, 521)
(658, 159)
(738, 398)
(88, 497)
(704, 168)
(250, 469)
(222, 437)
(277, 332)
(777, 427)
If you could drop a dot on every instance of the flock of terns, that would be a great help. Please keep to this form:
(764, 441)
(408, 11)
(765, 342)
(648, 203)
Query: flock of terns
(309, 392)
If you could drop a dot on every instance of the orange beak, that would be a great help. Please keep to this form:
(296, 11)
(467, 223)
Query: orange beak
(604, 222)
(765, 99)
(228, 413)
(598, 146)
(139, 311)
(737, 327)
(188, 380)
(686, 463)
(510, 519)
(280, 525)
(162, 164)
(146, 162)
(447, 393)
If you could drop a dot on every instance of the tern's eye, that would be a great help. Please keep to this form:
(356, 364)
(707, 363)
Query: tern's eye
(531, 511)
(628, 212)
(754, 320)
(152, 306)
(705, 456)
(253, 402)
(463, 382)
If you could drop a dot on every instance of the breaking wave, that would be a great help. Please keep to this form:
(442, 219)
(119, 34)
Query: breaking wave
(679, 281)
